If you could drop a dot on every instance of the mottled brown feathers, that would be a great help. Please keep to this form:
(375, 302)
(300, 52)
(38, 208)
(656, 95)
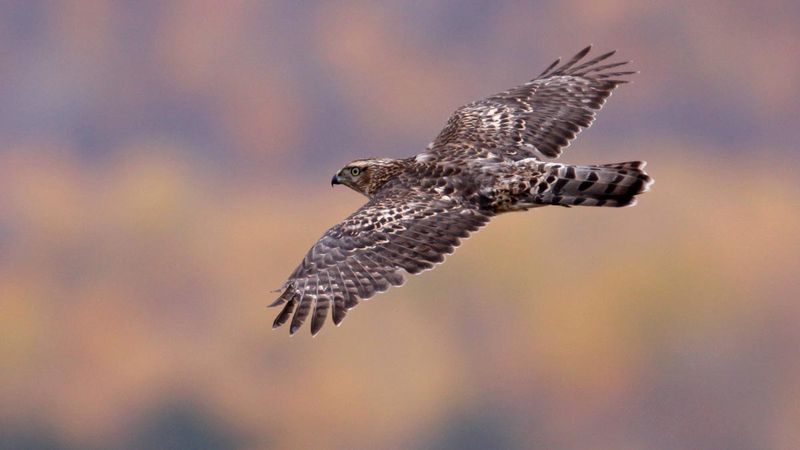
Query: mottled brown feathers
(536, 119)
(484, 162)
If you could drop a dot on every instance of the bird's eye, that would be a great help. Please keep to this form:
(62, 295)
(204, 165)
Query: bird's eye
(355, 171)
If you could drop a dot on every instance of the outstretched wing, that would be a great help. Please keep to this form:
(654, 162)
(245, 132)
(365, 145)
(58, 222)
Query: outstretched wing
(369, 252)
(536, 119)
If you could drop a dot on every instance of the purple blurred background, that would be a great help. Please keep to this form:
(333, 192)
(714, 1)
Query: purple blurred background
(164, 165)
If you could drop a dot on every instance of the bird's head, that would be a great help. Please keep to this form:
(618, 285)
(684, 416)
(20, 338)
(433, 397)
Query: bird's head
(366, 176)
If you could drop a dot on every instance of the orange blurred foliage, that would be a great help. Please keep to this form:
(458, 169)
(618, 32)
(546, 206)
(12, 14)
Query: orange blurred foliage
(162, 168)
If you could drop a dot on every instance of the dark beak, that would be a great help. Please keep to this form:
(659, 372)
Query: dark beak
(335, 180)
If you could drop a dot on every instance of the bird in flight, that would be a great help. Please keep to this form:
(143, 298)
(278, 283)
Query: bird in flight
(489, 159)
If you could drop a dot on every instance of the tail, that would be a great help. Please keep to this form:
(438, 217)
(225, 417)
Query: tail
(602, 185)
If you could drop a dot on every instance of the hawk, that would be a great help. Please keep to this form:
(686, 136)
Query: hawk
(489, 159)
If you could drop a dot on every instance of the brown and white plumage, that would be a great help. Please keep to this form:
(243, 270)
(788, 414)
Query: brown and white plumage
(484, 162)
(536, 119)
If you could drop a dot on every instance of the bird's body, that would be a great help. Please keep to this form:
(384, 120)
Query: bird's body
(485, 162)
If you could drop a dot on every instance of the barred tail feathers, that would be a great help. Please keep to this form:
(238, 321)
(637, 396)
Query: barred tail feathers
(597, 185)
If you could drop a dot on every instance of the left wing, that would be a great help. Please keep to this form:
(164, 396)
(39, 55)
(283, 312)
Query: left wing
(536, 119)
(369, 252)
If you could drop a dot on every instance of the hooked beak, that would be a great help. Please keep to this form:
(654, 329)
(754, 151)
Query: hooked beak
(335, 180)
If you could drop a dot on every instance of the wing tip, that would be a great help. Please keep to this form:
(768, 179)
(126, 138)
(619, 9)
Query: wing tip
(584, 51)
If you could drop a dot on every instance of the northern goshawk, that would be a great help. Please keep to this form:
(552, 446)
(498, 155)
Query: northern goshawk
(487, 160)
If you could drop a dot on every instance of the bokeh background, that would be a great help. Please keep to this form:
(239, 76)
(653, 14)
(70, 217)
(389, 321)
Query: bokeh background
(164, 165)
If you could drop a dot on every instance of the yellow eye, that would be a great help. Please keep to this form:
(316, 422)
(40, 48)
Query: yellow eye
(354, 171)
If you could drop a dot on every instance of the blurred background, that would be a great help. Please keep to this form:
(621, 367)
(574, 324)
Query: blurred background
(165, 165)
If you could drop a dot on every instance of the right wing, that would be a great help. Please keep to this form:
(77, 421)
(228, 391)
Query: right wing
(537, 119)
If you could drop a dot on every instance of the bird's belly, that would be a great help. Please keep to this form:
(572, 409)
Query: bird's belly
(505, 202)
